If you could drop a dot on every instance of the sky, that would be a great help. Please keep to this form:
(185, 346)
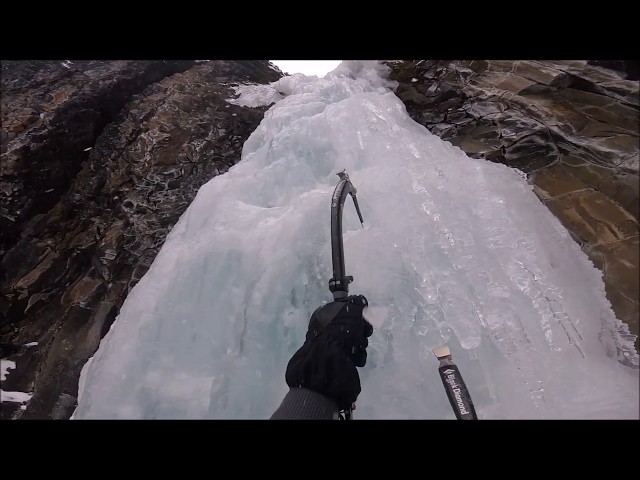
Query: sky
(454, 251)
(308, 67)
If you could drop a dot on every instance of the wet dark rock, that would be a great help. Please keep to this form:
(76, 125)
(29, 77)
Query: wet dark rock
(631, 68)
(52, 111)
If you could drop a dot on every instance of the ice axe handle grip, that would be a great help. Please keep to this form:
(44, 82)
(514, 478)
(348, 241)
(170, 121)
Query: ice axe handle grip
(457, 392)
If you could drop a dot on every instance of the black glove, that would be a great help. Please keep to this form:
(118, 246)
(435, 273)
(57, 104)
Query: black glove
(335, 345)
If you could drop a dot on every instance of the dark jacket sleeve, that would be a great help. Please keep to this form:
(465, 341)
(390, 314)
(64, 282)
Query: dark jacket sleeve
(303, 404)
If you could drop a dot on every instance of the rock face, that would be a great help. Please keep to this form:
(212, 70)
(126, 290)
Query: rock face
(571, 126)
(83, 228)
(51, 113)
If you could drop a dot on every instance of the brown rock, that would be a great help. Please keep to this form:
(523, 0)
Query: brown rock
(540, 73)
(555, 181)
(504, 81)
(621, 187)
(619, 261)
(593, 217)
(603, 108)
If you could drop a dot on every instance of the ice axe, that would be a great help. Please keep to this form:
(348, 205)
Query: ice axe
(339, 283)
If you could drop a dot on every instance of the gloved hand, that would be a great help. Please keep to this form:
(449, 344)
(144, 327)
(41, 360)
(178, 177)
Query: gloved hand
(335, 345)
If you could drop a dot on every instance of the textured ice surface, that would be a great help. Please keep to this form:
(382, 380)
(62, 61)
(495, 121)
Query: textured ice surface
(454, 251)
